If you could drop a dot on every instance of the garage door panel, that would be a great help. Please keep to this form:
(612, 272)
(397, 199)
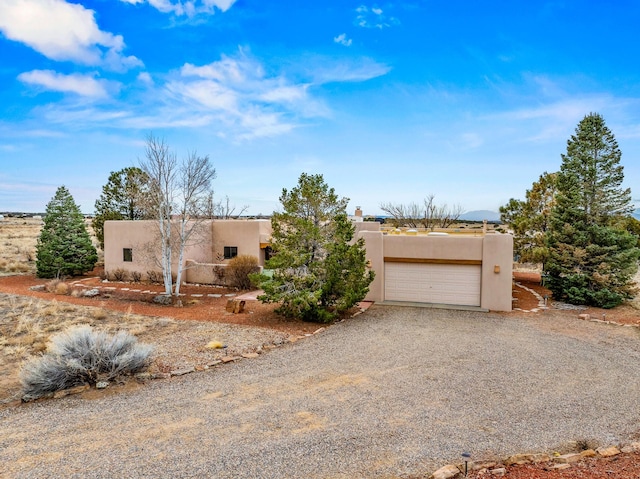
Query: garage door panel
(433, 283)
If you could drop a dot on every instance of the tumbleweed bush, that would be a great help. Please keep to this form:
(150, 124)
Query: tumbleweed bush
(81, 355)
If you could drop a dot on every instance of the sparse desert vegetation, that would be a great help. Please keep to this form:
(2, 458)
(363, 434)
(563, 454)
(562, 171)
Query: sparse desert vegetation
(18, 239)
(28, 323)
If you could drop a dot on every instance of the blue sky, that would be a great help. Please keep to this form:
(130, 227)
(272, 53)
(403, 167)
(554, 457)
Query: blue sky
(391, 101)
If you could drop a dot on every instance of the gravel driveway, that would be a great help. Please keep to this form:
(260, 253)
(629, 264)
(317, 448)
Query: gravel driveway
(394, 392)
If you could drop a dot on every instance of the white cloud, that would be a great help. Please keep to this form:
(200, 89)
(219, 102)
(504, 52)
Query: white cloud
(236, 97)
(145, 77)
(374, 17)
(189, 8)
(343, 40)
(83, 85)
(63, 31)
(326, 71)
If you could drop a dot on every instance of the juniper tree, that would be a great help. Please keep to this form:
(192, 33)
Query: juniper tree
(319, 271)
(64, 247)
(592, 259)
(123, 197)
(530, 219)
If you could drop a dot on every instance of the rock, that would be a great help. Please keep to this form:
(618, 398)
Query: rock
(229, 359)
(250, 355)
(102, 384)
(477, 466)
(235, 306)
(560, 467)
(183, 371)
(588, 453)
(163, 299)
(213, 363)
(319, 330)
(567, 458)
(160, 375)
(535, 458)
(38, 287)
(214, 345)
(526, 459)
(145, 376)
(446, 472)
(608, 451)
(91, 293)
(70, 391)
(517, 459)
(500, 471)
(585, 316)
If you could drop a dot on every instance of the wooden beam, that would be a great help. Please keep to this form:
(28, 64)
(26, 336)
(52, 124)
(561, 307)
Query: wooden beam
(433, 261)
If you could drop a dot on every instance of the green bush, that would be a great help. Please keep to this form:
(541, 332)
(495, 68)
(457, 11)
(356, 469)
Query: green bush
(81, 355)
(239, 269)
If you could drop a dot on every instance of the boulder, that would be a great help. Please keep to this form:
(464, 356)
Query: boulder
(446, 472)
(163, 299)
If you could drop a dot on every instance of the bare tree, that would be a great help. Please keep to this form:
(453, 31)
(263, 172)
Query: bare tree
(224, 210)
(179, 195)
(429, 215)
(403, 215)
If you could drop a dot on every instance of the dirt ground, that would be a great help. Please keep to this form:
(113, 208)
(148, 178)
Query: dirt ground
(206, 305)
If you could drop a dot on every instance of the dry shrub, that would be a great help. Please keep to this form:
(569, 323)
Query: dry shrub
(57, 286)
(81, 355)
(50, 286)
(120, 274)
(50, 310)
(219, 272)
(154, 276)
(136, 276)
(99, 313)
(239, 269)
(77, 292)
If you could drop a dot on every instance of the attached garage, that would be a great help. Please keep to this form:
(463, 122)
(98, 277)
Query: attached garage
(425, 282)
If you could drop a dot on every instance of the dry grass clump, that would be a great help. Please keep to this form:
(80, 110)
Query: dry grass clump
(57, 286)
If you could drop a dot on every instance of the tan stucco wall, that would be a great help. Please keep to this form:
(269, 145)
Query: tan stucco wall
(375, 257)
(433, 247)
(497, 272)
(245, 235)
(205, 247)
(491, 250)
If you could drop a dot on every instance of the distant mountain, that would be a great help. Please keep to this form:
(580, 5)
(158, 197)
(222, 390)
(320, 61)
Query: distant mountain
(479, 215)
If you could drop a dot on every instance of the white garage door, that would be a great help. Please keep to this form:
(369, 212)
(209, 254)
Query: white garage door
(433, 283)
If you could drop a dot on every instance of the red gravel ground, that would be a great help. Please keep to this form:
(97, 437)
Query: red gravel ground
(623, 466)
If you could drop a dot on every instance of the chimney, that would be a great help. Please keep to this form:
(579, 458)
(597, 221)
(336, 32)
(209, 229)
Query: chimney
(358, 212)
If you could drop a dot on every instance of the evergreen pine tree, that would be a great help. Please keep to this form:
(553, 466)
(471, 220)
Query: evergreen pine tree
(122, 198)
(64, 247)
(592, 259)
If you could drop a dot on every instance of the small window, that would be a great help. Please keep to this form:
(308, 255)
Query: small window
(230, 252)
(127, 255)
